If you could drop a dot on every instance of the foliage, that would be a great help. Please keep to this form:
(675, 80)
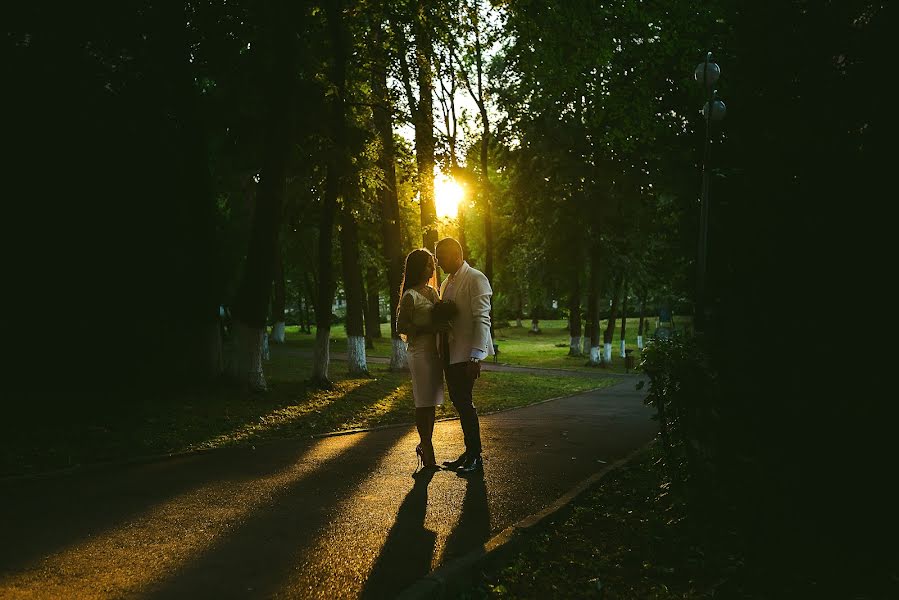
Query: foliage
(633, 537)
(682, 390)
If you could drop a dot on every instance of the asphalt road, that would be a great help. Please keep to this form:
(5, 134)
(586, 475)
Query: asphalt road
(327, 518)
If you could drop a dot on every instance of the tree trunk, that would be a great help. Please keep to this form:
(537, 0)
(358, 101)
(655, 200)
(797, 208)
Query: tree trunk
(424, 125)
(279, 300)
(463, 240)
(390, 211)
(301, 312)
(623, 321)
(486, 188)
(640, 327)
(355, 292)
(309, 300)
(574, 316)
(519, 311)
(373, 312)
(336, 171)
(613, 315)
(252, 298)
(193, 348)
(593, 308)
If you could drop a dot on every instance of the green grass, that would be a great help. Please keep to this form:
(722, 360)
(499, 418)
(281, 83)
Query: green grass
(517, 346)
(115, 428)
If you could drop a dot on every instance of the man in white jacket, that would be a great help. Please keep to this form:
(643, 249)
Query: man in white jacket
(466, 344)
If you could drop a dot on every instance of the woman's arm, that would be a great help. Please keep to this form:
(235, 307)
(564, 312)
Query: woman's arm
(404, 324)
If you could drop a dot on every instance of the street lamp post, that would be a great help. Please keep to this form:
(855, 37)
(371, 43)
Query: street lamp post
(707, 74)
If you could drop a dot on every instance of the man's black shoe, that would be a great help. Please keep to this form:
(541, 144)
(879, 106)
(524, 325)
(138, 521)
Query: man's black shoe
(475, 463)
(455, 464)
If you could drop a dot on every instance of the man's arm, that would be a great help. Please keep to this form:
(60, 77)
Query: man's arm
(480, 313)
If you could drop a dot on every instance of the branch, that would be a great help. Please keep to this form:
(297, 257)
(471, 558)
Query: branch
(406, 77)
(464, 73)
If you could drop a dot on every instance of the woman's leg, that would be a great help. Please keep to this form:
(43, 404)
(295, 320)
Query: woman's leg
(424, 422)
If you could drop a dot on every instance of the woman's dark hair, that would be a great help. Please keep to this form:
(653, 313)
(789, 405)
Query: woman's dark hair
(416, 271)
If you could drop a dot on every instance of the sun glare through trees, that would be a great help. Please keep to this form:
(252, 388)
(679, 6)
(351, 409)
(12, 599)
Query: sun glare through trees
(447, 196)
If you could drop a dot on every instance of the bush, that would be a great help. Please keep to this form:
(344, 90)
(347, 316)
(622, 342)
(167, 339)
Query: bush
(682, 390)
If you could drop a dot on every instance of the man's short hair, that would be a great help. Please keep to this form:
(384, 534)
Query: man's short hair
(448, 241)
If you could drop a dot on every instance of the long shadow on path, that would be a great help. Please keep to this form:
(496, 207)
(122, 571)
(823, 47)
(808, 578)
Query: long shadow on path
(263, 555)
(473, 528)
(43, 516)
(409, 549)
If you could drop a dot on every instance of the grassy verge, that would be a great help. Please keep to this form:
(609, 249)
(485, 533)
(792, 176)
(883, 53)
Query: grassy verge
(115, 428)
(625, 539)
(633, 538)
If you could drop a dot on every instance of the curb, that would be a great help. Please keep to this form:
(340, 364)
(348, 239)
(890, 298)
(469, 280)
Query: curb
(461, 573)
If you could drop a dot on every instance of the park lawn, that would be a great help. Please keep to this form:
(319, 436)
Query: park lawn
(146, 424)
(517, 345)
(549, 348)
(306, 341)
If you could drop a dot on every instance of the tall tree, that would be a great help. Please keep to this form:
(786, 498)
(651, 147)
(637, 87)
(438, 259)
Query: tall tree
(352, 284)
(336, 173)
(372, 307)
(477, 92)
(252, 301)
(279, 299)
(392, 246)
(422, 112)
(574, 314)
(613, 315)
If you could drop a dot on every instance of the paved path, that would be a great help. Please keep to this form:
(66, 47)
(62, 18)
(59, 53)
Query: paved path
(326, 518)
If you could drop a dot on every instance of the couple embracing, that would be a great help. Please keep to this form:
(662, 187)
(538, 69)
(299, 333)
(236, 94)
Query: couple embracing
(448, 334)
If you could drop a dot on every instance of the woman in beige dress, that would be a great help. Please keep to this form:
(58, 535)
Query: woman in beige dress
(417, 298)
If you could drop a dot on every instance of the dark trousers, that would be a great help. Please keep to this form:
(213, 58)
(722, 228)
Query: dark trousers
(460, 386)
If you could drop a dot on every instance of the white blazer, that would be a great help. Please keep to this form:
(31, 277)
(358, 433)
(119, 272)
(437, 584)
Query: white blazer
(471, 328)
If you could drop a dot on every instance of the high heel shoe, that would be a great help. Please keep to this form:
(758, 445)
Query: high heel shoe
(426, 458)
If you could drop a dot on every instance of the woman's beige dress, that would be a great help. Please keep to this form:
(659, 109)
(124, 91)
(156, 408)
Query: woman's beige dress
(421, 352)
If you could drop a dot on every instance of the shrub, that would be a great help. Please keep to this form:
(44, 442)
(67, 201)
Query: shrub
(682, 390)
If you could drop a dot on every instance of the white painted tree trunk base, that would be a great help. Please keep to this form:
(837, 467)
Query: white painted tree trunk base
(586, 350)
(607, 352)
(355, 348)
(575, 346)
(623, 354)
(640, 342)
(278, 332)
(594, 356)
(321, 354)
(398, 360)
(245, 365)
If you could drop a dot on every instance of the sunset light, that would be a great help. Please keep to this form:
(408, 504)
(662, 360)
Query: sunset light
(447, 196)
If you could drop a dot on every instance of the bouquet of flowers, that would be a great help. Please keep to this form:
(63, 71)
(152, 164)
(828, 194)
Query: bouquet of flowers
(443, 313)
